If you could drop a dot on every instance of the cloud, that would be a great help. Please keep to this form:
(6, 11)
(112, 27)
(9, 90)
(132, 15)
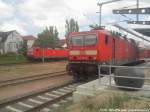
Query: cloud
(7, 18)
(6, 10)
(45, 13)
(31, 16)
(13, 26)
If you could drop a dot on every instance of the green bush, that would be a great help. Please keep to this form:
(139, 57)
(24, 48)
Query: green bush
(23, 51)
(12, 58)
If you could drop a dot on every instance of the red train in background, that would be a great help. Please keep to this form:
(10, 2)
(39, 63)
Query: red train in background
(48, 53)
(89, 49)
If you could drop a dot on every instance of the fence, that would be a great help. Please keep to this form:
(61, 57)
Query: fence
(111, 76)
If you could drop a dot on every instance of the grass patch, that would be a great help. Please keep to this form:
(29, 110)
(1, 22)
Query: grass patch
(110, 102)
(12, 58)
(114, 101)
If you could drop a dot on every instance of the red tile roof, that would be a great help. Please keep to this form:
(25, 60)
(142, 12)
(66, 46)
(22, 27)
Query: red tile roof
(29, 37)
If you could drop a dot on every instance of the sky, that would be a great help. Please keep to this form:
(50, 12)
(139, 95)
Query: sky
(32, 16)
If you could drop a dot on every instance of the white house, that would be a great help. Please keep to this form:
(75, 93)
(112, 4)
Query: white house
(10, 41)
(30, 40)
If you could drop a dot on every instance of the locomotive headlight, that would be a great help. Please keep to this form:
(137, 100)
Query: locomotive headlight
(91, 52)
(74, 52)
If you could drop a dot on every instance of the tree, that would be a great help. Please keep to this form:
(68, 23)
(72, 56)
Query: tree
(24, 48)
(71, 26)
(48, 38)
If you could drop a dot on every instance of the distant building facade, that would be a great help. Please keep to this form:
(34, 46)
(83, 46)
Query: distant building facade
(30, 40)
(10, 41)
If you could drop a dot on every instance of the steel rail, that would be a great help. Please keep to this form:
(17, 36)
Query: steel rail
(28, 62)
(16, 99)
(19, 63)
(50, 102)
(31, 78)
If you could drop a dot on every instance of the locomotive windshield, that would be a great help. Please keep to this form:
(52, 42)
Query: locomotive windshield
(83, 40)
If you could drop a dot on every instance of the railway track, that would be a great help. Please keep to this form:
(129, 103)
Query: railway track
(31, 78)
(28, 62)
(19, 63)
(44, 100)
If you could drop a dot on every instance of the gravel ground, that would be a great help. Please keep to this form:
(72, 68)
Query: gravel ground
(15, 90)
(15, 71)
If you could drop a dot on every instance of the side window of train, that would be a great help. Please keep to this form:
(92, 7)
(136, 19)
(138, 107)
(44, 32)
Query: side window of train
(106, 39)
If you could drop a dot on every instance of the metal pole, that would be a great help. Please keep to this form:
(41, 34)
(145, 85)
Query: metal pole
(43, 52)
(100, 9)
(43, 55)
(137, 15)
(99, 73)
(100, 14)
(109, 75)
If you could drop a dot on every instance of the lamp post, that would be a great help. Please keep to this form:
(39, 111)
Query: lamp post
(100, 9)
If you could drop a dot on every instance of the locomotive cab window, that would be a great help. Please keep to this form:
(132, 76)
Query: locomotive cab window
(90, 40)
(83, 40)
(76, 40)
(106, 39)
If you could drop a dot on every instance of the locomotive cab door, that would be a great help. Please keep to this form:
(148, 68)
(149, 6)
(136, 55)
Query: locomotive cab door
(113, 52)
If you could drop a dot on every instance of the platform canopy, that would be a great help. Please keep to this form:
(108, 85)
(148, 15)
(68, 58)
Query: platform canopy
(145, 10)
(133, 32)
(144, 31)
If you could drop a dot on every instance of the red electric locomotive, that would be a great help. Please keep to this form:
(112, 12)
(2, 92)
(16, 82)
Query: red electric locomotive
(89, 49)
(47, 53)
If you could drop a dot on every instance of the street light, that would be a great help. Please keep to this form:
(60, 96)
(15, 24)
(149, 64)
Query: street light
(100, 8)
